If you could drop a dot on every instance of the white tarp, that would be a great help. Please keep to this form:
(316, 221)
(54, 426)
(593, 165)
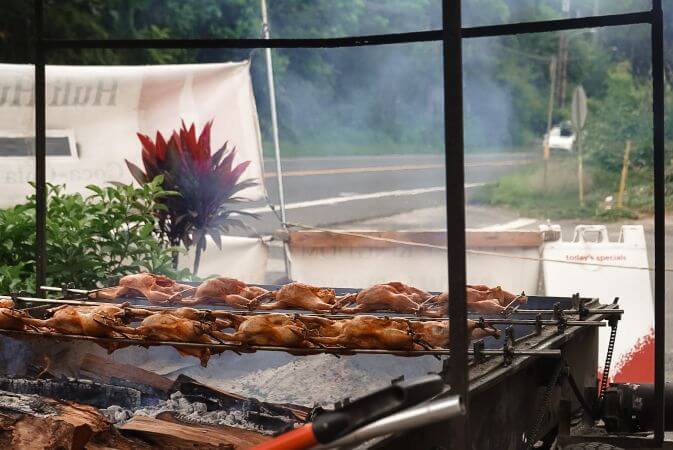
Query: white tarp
(99, 109)
(244, 258)
(422, 267)
(607, 269)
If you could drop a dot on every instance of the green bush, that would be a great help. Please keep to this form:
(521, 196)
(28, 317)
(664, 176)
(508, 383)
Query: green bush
(109, 232)
(624, 114)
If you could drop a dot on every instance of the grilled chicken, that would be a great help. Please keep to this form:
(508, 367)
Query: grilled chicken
(436, 333)
(7, 303)
(369, 332)
(268, 329)
(480, 292)
(94, 321)
(300, 296)
(389, 334)
(393, 296)
(165, 326)
(439, 306)
(202, 315)
(156, 289)
(12, 319)
(480, 299)
(320, 326)
(228, 291)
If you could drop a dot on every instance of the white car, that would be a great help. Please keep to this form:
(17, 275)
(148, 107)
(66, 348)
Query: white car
(561, 138)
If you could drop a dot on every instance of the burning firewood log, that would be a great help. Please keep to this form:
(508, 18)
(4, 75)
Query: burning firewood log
(33, 422)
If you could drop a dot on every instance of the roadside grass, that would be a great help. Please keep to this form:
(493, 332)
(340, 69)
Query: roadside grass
(558, 198)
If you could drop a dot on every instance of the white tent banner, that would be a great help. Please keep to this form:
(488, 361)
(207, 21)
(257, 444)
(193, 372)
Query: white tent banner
(422, 267)
(96, 111)
(244, 258)
(605, 269)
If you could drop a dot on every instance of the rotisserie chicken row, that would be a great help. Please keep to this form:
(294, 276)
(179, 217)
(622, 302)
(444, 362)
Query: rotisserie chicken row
(392, 296)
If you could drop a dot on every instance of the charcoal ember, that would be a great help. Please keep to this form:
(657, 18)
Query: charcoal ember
(223, 400)
(197, 413)
(83, 391)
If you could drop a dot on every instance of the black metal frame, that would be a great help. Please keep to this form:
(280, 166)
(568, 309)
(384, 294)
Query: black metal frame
(451, 36)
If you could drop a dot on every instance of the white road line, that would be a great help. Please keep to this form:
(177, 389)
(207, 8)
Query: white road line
(390, 168)
(350, 198)
(513, 225)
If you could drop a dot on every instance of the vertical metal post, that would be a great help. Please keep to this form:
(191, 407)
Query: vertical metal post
(274, 129)
(659, 215)
(40, 152)
(455, 211)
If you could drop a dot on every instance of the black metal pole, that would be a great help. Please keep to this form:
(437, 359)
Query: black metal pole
(659, 216)
(40, 152)
(455, 212)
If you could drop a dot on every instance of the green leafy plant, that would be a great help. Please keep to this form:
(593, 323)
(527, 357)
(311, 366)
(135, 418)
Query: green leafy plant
(207, 184)
(110, 232)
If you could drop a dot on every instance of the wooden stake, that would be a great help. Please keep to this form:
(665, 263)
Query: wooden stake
(625, 174)
(580, 168)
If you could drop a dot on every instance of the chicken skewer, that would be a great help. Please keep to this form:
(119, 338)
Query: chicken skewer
(393, 296)
(392, 334)
(157, 289)
(165, 326)
(10, 318)
(299, 296)
(479, 298)
(96, 321)
(280, 330)
(228, 291)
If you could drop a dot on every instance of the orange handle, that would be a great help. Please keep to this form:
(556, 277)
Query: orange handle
(297, 439)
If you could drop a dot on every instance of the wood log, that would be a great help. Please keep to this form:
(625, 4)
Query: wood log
(176, 435)
(107, 369)
(242, 439)
(31, 422)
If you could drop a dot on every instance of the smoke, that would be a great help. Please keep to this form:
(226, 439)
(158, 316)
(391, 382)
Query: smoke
(373, 99)
(367, 99)
(487, 103)
(386, 99)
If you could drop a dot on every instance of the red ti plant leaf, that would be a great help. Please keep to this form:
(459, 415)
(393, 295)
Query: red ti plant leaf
(205, 181)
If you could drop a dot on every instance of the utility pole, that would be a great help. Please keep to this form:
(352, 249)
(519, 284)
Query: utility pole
(561, 69)
(597, 9)
(276, 140)
(550, 114)
(563, 59)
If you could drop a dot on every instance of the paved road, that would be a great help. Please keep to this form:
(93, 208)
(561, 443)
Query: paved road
(331, 190)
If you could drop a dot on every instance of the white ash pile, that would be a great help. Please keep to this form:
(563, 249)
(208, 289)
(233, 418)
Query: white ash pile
(325, 379)
(185, 411)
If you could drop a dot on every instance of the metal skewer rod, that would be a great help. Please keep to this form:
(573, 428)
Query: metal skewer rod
(293, 350)
(71, 290)
(311, 314)
(81, 302)
(570, 311)
(571, 323)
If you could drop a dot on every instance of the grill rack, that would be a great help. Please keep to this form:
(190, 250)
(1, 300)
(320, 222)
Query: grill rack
(239, 348)
(411, 318)
(479, 352)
